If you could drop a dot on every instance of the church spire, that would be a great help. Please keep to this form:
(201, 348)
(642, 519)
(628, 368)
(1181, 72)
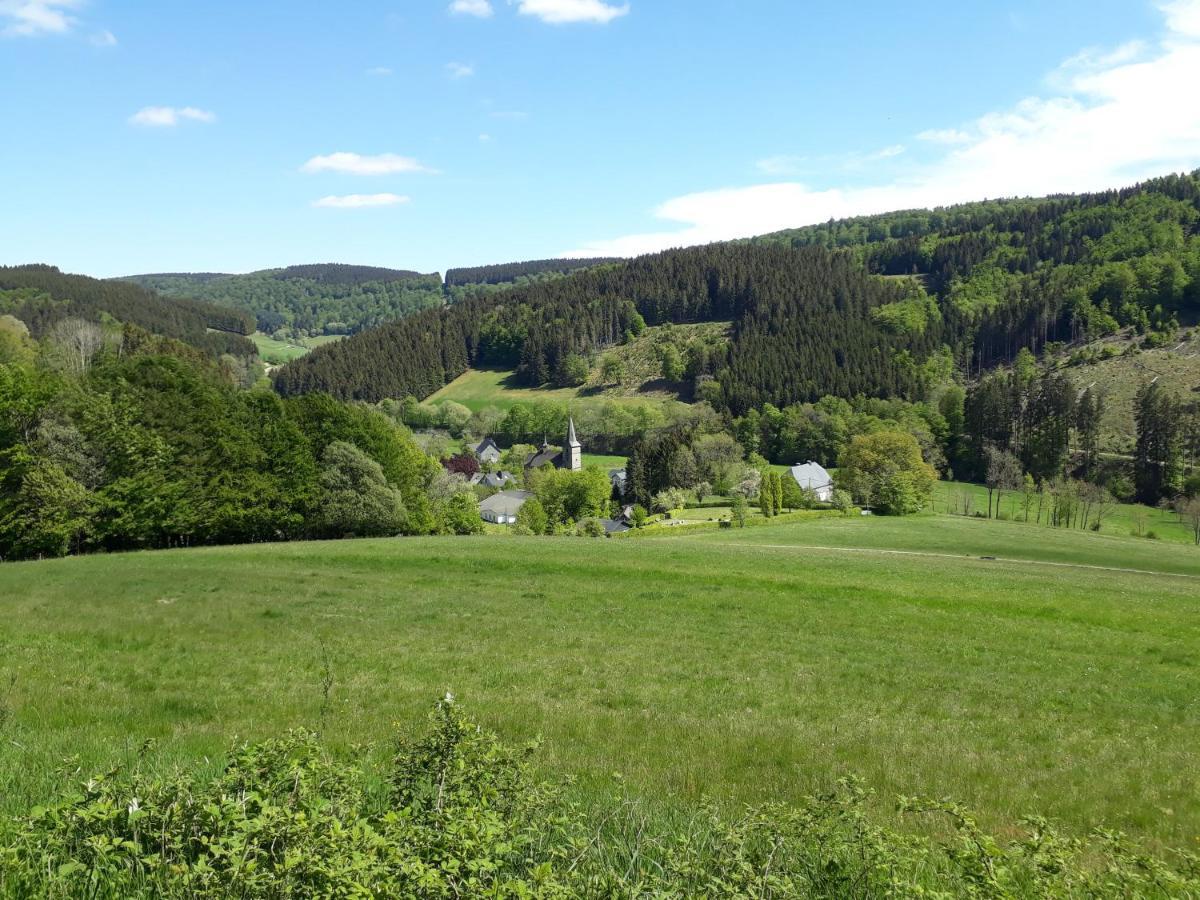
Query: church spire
(572, 441)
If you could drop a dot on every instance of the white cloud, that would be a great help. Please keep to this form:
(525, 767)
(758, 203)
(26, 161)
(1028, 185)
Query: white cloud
(485, 138)
(103, 38)
(777, 166)
(481, 9)
(1109, 126)
(564, 12)
(30, 18)
(944, 136)
(379, 71)
(356, 164)
(170, 116)
(460, 70)
(360, 201)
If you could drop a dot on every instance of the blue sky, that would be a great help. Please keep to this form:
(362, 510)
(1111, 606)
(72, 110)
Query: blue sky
(230, 136)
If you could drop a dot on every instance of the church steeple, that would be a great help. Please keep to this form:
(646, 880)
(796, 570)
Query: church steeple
(572, 455)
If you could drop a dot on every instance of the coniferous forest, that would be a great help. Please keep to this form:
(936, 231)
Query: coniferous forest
(863, 306)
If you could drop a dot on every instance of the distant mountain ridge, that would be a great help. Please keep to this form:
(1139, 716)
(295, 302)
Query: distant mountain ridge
(42, 295)
(308, 300)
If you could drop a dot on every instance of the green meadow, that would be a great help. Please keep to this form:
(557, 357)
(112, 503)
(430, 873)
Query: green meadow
(1060, 677)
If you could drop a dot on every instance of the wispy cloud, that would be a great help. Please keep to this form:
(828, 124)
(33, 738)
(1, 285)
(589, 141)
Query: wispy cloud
(379, 71)
(31, 18)
(944, 136)
(170, 116)
(1109, 125)
(776, 166)
(460, 70)
(566, 12)
(357, 164)
(360, 201)
(481, 9)
(103, 38)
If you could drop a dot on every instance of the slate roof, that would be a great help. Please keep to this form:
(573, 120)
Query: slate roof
(546, 456)
(507, 503)
(812, 476)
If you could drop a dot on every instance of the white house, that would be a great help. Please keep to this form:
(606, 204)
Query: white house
(502, 508)
(813, 477)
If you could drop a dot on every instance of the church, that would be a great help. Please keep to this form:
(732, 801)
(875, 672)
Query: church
(569, 458)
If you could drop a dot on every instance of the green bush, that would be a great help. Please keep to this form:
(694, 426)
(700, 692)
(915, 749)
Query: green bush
(459, 815)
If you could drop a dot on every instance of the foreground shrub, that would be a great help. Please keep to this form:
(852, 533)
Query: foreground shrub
(462, 817)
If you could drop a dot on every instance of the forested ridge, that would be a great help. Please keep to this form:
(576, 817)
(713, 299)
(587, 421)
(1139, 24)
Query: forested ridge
(309, 300)
(802, 327)
(42, 296)
(509, 272)
(825, 310)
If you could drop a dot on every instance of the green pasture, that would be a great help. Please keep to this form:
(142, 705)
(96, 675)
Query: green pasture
(740, 665)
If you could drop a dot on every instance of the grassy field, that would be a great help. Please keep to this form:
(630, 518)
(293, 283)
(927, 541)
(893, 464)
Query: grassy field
(479, 388)
(741, 665)
(278, 352)
(607, 463)
(1124, 519)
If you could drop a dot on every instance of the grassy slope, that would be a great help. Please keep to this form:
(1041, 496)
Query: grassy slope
(1119, 519)
(479, 388)
(1120, 378)
(733, 664)
(277, 352)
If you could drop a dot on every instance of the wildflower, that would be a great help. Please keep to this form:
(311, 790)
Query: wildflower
(448, 699)
(134, 806)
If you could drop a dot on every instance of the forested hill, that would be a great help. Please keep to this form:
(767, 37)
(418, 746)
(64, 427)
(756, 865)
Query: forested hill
(1032, 270)
(42, 296)
(828, 309)
(803, 327)
(515, 272)
(306, 301)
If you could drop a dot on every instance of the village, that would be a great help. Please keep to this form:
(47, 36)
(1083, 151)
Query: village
(504, 489)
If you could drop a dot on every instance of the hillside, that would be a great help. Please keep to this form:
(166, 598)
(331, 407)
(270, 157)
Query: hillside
(810, 317)
(1117, 367)
(306, 301)
(637, 375)
(41, 295)
(520, 271)
(741, 666)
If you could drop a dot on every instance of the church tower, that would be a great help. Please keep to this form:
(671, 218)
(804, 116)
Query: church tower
(572, 454)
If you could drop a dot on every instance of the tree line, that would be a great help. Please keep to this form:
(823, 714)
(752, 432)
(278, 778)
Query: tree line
(509, 272)
(41, 296)
(305, 301)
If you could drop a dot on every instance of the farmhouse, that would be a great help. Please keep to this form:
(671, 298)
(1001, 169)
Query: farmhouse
(570, 457)
(502, 508)
(812, 477)
(619, 479)
(488, 452)
(496, 479)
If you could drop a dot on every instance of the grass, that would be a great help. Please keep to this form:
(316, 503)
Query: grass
(741, 665)
(480, 388)
(1124, 519)
(279, 352)
(607, 463)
